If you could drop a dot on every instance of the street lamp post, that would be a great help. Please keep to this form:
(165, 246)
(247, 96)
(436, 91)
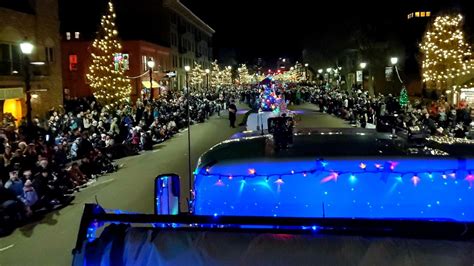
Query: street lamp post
(306, 71)
(394, 61)
(362, 66)
(187, 69)
(27, 48)
(151, 64)
(207, 78)
(328, 70)
(230, 71)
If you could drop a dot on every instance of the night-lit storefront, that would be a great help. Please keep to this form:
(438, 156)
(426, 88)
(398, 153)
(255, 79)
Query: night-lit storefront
(11, 100)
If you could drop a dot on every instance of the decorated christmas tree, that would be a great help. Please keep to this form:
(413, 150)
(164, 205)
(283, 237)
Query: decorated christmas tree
(108, 83)
(268, 96)
(403, 100)
(446, 55)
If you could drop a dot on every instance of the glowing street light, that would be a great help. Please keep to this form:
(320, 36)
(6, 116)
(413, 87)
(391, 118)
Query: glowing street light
(394, 60)
(363, 65)
(27, 48)
(320, 71)
(151, 64)
(207, 77)
(328, 70)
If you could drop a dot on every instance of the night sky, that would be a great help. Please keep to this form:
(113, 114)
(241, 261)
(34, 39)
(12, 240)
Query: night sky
(273, 29)
(247, 29)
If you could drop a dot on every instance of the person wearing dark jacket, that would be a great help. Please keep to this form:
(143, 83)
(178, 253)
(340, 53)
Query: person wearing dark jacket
(232, 113)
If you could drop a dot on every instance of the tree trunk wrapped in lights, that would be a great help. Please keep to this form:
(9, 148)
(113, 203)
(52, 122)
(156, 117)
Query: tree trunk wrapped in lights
(446, 55)
(108, 82)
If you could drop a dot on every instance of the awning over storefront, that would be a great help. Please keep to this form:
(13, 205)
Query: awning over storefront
(146, 84)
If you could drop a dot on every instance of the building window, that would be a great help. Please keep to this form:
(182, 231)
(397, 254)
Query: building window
(174, 19)
(68, 36)
(144, 62)
(428, 13)
(175, 61)
(10, 59)
(49, 54)
(77, 34)
(174, 39)
(73, 62)
(417, 14)
(422, 14)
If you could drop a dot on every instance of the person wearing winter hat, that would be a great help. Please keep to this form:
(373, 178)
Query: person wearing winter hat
(14, 184)
(29, 196)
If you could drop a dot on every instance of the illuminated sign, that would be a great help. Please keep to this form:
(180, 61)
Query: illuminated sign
(388, 73)
(121, 61)
(359, 75)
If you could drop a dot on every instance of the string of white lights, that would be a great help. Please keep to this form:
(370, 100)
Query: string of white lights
(139, 76)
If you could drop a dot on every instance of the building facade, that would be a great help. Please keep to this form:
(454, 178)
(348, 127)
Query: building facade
(76, 59)
(37, 22)
(166, 23)
(190, 40)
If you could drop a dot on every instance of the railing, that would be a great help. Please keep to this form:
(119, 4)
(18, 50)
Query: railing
(94, 216)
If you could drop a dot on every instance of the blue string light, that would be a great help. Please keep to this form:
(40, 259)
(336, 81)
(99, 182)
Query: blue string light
(384, 170)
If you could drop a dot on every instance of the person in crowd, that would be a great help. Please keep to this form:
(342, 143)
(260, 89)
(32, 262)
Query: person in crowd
(14, 184)
(232, 113)
(29, 197)
(78, 142)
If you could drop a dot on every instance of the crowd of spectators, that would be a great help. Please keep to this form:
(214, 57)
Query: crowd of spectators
(383, 112)
(418, 117)
(43, 165)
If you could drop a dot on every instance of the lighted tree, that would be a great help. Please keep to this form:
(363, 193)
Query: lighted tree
(446, 55)
(197, 76)
(215, 77)
(108, 83)
(227, 75)
(256, 78)
(244, 77)
(403, 100)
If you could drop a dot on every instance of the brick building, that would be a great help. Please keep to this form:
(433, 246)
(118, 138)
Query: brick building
(166, 23)
(76, 59)
(37, 21)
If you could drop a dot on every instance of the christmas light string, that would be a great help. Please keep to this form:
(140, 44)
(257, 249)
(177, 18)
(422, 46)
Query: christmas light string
(386, 170)
(139, 76)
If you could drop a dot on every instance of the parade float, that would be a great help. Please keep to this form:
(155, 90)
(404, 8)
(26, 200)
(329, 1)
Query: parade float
(331, 193)
(271, 103)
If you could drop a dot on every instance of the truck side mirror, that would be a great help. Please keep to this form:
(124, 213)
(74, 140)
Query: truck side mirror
(167, 194)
